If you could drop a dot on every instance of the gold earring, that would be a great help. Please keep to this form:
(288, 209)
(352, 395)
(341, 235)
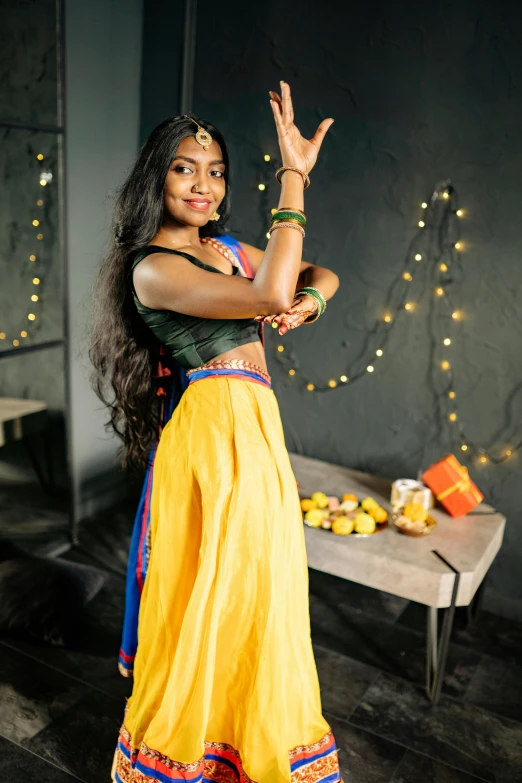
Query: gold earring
(215, 216)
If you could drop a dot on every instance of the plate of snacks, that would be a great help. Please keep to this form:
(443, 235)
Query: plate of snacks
(414, 520)
(345, 516)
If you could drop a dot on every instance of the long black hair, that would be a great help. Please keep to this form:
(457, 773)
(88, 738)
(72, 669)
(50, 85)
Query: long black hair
(123, 351)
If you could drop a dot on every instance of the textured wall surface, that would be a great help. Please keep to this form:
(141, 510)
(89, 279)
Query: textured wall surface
(28, 95)
(23, 200)
(419, 93)
(103, 63)
(28, 66)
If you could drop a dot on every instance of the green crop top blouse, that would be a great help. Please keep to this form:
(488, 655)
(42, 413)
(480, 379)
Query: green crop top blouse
(193, 341)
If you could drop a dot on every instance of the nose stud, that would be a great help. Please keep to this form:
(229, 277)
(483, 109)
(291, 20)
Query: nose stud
(195, 188)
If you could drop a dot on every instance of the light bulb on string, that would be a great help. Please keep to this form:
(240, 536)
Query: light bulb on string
(310, 386)
(421, 223)
(409, 306)
(387, 318)
(459, 213)
(452, 417)
(332, 384)
(418, 257)
(439, 291)
(266, 158)
(456, 315)
(344, 379)
(458, 245)
(280, 348)
(424, 205)
(464, 447)
(378, 352)
(445, 365)
(261, 186)
(291, 372)
(40, 156)
(36, 222)
(447, 341)
(370, 368)
(443, 268)
(407, 276)
(451, 395)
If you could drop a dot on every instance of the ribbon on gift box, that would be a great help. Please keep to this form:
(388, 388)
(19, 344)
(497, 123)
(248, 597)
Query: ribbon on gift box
(463, 485)
(406, 491)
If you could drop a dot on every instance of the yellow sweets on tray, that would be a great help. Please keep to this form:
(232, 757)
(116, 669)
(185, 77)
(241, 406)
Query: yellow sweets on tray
(344, 516)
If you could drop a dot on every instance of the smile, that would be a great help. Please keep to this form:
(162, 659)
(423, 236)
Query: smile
(198, 203)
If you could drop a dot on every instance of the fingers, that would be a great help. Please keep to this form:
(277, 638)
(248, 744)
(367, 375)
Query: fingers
(288, 109)
(321, 131)
(277, 109)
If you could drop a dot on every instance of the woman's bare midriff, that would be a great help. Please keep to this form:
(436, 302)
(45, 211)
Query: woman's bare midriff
(251, 352)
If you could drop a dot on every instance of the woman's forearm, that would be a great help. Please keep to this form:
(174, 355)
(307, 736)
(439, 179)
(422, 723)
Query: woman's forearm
(279, 269)
(323, 279)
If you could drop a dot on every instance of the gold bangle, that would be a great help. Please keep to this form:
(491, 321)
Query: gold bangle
(287, 225)
(287, 220)
(290, 209)
(306, 178)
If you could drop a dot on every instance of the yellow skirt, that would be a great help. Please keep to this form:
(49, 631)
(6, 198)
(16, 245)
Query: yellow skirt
(225, 682)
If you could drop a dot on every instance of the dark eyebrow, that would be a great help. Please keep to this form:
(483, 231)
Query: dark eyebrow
(191, 160)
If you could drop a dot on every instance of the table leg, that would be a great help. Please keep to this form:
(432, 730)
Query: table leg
(475, 606)
(437, 648)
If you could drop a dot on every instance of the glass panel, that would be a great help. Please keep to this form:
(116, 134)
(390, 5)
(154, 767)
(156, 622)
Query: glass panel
(28, 63)
(31, 307)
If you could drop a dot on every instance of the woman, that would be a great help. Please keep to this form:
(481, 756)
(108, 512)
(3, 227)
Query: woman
(225, 684)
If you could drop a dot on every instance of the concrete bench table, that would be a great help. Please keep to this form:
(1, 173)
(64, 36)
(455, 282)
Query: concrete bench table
(442, 570)
(22, 419)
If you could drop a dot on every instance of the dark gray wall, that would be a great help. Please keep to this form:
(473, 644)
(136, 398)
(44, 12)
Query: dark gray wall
(29, 126)
(419, 93)
(103, 64)
(161, 66)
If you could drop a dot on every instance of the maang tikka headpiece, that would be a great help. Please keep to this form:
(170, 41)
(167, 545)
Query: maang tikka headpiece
(203, 137)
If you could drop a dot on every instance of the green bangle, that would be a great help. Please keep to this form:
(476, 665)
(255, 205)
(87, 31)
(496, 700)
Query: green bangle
(282, 214)
(316, 294)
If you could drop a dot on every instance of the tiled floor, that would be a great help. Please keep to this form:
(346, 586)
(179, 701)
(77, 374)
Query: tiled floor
(60, 710)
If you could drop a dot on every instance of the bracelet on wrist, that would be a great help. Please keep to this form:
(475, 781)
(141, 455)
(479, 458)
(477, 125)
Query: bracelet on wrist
(288, 214)
(285, 224)
(315, 294)
(306, 178)
(289, 209)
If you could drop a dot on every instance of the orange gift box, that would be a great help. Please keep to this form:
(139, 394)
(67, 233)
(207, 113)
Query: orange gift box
(450, 483)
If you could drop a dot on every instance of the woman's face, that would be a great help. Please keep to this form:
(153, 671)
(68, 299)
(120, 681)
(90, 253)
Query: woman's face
(193, 166)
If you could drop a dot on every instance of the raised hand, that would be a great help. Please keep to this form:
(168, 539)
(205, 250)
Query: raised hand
(295, 149)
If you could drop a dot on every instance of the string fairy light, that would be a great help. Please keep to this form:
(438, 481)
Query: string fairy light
(45, 177)
(447, 258)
